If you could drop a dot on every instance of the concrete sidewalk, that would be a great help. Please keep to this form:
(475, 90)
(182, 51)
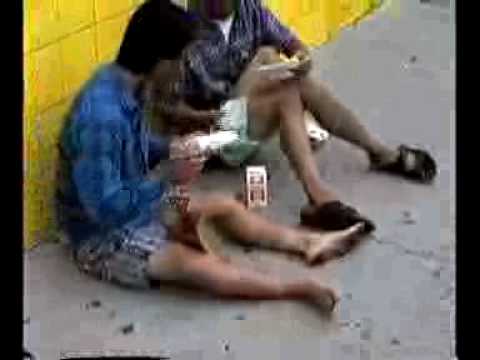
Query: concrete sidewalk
(397, 71)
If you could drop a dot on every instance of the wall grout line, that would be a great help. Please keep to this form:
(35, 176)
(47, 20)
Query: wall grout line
(95, 25)
(91, 26)
(80, 29)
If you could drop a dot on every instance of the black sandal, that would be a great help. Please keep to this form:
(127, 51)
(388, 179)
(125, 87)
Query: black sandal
(412, 163)
(334, 216)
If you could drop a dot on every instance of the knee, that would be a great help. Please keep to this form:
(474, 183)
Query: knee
(228, 204)
(222, 204)
(218, 198)
(169, 264)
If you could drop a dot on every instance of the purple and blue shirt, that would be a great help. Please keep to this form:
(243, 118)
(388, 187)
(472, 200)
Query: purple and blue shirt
(213, 66)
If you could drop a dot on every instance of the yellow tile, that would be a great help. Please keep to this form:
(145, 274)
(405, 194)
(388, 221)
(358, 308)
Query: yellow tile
(107, 8)
(51, 123)
(27, 28)
(108, 58)
(317, 21)
(41, 136)
(30, 102)
(78, 58)
(285, 11)
(137, 2)
(42, 23)
(28, 241)
(34, 138)
(75, 15)
(24, 148)
(30, 222)
(109, 36)
(45, 88)
(304, 6)
(39, 222)
(331, 15)
(346, 8)
(31, 157)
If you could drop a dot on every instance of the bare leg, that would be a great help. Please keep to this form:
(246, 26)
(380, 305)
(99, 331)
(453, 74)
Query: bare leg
(342, 122)
(185, 266)
(282, 109)
(246, 226)
(250, 228)
(251, 80)
(276, 105)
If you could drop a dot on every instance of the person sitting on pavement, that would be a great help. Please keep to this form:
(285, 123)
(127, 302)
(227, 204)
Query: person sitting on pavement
(115, 213)
(221, 70)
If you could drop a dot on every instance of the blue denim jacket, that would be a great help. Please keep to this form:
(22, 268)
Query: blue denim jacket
(107, 152)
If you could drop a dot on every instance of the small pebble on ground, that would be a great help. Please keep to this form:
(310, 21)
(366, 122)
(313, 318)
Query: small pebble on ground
(395, 341)
(408, 218)
(128, 329)
(95, 304)
(248, 250)
(366, 334)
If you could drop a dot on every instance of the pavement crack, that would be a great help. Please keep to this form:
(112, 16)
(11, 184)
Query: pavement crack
(425, 255)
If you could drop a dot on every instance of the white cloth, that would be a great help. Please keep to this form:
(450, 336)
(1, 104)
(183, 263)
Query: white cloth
(225, 26)
(236, 120)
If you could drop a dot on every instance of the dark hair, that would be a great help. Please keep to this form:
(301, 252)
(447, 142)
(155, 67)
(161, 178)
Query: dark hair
(157, 30)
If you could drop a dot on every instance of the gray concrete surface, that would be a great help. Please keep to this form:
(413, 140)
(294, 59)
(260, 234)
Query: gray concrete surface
(398, 288)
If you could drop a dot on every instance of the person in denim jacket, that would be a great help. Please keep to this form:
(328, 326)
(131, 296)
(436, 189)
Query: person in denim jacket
(115, 212)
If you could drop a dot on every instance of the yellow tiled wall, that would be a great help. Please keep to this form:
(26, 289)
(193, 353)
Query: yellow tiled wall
(64, 40)
(318, 21)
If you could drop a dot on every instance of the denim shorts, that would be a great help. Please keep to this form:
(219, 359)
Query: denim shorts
(122, 256)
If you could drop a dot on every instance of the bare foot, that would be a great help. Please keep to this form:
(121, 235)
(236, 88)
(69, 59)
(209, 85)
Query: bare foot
(324, 297)
(329, 245)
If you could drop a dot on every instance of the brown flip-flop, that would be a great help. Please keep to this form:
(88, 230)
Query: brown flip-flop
(334, 216)
(412, 163)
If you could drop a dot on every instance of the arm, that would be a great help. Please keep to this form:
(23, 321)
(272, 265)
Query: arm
(167, 98)
(184, 116)
(107, 198)
(276, 34)
(179, 111)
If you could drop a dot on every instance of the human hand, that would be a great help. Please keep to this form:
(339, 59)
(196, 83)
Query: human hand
(185, 230)
(305, 63)
(187, 171)
(187, 147)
